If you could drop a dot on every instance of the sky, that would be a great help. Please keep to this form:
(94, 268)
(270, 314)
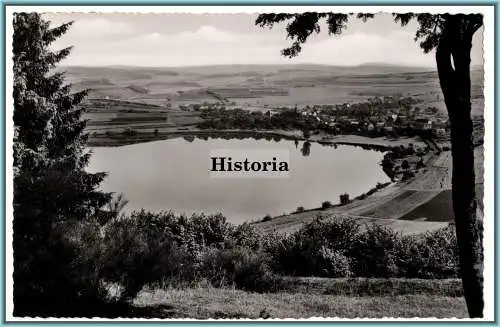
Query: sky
(176, 40)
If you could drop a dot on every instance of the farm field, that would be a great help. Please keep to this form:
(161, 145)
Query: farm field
(436, 209)
(262, 86)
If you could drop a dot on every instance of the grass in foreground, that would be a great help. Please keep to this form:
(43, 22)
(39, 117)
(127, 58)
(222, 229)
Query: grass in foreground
(205, 303)
(381, 287)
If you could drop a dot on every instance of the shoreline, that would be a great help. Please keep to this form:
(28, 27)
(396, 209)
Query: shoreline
(380, 143)
(377, 143)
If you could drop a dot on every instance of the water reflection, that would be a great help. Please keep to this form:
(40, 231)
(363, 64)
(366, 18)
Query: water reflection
(306, 149)
(174, 174)
(189, 138)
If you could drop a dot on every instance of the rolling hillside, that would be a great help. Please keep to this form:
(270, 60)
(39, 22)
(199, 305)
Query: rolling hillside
(262, 86)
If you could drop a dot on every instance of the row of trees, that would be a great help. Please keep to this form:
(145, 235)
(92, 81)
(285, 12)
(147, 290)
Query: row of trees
(243, 119)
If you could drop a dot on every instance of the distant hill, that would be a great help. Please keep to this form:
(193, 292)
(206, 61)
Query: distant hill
(246, 70)
(257, 86)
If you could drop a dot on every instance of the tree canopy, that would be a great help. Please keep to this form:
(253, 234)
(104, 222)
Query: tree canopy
(52, 190)
(300, 26)
(451, 36)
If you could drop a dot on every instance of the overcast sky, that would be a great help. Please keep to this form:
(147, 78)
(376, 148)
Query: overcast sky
(164, 40)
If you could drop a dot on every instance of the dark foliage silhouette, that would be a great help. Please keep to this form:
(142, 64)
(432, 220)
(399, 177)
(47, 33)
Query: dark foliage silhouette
(53, 194)
(451, 37)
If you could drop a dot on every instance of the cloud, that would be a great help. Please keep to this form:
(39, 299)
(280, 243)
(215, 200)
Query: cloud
(91, 33)
(210, 34)
(98, 27)
(153, 37)
(358, 48)
(100, 41)
(204, 35)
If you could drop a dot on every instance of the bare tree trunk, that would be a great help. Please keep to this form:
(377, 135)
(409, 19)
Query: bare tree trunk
(456, 42)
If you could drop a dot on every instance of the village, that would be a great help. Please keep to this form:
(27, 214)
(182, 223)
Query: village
(390, 116)
(386, 116)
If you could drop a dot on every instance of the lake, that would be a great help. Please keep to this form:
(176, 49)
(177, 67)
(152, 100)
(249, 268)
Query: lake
(174, 175)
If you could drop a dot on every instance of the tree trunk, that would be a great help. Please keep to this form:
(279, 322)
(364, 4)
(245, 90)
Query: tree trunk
(456, 42)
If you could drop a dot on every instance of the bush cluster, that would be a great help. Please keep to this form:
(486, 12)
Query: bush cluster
(166, 249)
(379, 186)
(152, 248)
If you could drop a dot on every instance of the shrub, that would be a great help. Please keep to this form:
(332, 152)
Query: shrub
(430, 255)
(344, 198)
(297, 256)
(266, 218)
(194, 232)
(373, 252)
(241, 267)
(326, 205)
(244, 235)
(408, 174)
(136, 255)
(362, 196)
(332, 263)
(148, 248)
(293, 255)
(313, 249)
(337, 233)
(210, 230)
(300, 209)
(442, 252)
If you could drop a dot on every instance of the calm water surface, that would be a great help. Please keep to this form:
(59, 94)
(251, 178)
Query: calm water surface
(174, 175)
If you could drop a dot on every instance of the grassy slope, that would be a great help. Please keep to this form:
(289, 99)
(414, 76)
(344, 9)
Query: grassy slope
(373, 286)
(203, 303)
(417, 206)
(308, 297)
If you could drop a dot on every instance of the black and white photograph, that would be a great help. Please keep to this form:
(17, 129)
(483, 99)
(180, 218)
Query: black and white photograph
(249, 163)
